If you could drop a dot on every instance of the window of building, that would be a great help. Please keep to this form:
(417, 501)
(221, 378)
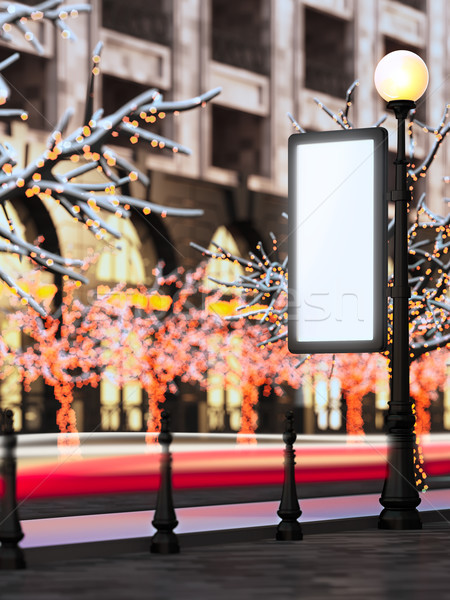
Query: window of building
(27, 80)
(223, 270)
(134, 262)
(117, 92)
(149, 20)
(121, 409)
(240, 34)
(238, 141)
(329, 54)
(224, 399)
(28, 407)
(224, 402)
(10, 385)
(417, 4)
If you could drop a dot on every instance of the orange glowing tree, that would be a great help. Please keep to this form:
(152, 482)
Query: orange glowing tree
(61, 174)
(209, 342)
(134, 344)
(63, 352)
(428, 377)
(358, 375)
(102, 339)
(124, 335)
(267, 368)
(182, 333)
(174, 330)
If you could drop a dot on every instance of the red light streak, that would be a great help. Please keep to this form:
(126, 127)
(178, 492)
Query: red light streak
(212, 469)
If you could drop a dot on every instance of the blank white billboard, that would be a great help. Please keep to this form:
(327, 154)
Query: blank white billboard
(337, 241)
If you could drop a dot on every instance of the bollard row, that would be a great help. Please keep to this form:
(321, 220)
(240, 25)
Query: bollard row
(165, 540)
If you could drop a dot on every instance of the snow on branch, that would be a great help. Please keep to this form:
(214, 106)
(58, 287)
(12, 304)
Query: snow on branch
(265, 284)
(18, 16)
(265, 287)
(439, 132)
(429, 241)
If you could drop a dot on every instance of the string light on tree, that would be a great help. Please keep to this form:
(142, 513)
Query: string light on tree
(87, 146)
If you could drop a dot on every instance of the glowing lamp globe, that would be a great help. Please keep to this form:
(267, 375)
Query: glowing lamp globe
(401, 75)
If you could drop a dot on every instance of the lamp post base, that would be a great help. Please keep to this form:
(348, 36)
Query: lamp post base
(397, 519)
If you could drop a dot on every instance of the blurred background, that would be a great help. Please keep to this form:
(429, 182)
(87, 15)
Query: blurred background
(270, 57)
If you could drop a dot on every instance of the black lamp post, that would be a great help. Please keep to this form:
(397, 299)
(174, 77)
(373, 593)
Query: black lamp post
(401, 78)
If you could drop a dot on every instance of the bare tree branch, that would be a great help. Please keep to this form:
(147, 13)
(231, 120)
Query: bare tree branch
(266, 285)
(17, 15)
(88, 148)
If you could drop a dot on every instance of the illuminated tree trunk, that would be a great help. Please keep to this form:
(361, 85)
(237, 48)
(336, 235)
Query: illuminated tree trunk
(428, 376)
(355, 423)
(156, 397)
(249, 417)
(66, 417)
(422, 403)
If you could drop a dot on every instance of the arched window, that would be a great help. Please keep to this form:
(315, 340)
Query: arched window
(223, 270)
(223, 402)
(27, 414)
(124, 409)
(19, 268)
(134, 261)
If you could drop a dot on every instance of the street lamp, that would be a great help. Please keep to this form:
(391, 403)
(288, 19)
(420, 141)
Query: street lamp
(401, 78)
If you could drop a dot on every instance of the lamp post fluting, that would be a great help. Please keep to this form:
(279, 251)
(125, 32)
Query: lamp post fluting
(401, 78)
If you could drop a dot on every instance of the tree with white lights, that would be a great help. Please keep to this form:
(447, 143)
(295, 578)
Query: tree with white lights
(265, 281)
(85, 149)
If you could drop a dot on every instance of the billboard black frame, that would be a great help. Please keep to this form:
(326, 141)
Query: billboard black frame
(378, 343)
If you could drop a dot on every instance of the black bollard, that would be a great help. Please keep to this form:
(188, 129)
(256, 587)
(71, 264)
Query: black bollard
(11, 554)
(289, 528)
(165, 541)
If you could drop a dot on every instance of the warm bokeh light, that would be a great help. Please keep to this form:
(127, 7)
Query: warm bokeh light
(401, 75)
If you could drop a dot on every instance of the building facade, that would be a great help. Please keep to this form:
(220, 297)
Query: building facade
(270, 57)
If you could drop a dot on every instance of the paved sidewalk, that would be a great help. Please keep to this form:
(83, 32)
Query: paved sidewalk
(364, 565)
(109, 535)
(97, 548)
(92, 557)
